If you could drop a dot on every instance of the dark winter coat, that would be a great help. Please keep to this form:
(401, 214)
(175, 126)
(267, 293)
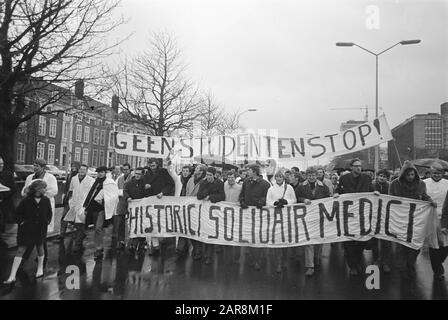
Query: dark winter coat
(215, 190)
(382, 188)
(254, 192)
(6, 203)
(414, 190)
(135, 189)
(67, 187)
(444, 220)
(184, 182)
(33, 219)
(160, 181)
(304, 191)
(349, 184)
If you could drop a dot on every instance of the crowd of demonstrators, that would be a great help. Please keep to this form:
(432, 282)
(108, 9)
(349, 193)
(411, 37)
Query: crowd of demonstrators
(104, 200)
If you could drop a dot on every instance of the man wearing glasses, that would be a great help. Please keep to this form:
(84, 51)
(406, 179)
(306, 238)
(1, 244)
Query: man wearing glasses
(354, 182)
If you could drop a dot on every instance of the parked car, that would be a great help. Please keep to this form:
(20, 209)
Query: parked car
(58, 173)
(22, 171)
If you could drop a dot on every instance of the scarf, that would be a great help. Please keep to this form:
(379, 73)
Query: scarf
(96, 188)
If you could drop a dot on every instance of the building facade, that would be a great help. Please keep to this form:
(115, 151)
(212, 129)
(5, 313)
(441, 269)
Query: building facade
(421, 136)
(83, 133)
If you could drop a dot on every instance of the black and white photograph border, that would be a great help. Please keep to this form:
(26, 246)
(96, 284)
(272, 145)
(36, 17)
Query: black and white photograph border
(240, 152)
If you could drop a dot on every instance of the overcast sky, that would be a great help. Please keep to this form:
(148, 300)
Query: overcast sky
(280, 56)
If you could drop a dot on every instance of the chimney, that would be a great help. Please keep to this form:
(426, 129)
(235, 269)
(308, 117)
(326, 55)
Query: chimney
(115, 103)
(79, 89)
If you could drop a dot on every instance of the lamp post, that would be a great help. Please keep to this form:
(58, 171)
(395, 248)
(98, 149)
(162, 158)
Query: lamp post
(351, 44)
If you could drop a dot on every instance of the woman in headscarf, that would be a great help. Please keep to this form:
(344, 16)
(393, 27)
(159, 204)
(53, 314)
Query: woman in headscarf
(33, 216)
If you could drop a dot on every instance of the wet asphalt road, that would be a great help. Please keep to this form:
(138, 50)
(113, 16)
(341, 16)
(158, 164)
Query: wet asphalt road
(124, 276)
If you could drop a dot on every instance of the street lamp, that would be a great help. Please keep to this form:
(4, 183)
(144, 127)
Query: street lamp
(241, 113)
(351, 44)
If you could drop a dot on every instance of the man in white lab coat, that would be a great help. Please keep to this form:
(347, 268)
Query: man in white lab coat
(78, 190)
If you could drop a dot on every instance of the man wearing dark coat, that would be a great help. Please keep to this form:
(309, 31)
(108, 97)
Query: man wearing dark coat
(253, 193)
(159, 183)
(211, 189)
(354, 182)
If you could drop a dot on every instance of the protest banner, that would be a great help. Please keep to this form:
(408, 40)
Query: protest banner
(359, 216)
(255, 146)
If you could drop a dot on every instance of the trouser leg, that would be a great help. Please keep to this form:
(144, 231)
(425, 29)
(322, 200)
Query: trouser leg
(197, 248)
(118, 231)
(182, 245)
(436, 256)
(155, 242)
(309, 256)
(80, 234)
(99, 230)
(64, 224)
(317, 254)
(209, 250)
(353, 253)
(385, 252)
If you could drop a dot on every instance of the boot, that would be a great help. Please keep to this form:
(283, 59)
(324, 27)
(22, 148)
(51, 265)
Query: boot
(14, 268)
(40, 267)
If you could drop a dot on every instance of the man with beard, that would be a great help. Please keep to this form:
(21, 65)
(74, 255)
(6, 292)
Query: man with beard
(99, 207)
(211, 189)
(64, 224)
(253, 193)
(436, 188)
(191, 190)
(409, 185)
(159, 183)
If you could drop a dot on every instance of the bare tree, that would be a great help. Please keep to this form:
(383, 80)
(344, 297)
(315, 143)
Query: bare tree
(154, 90)
(43, 43)
(211, 115)
(230, 123)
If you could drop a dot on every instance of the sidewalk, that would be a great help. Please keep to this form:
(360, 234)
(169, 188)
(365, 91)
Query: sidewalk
(10, 234)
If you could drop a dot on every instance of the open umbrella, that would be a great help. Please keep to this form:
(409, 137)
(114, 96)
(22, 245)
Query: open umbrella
(427, 163)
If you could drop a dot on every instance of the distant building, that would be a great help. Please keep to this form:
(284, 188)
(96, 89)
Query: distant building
(83, 133)
(418, 137)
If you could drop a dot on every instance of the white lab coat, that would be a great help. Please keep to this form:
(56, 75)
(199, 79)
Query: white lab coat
(275, 192)
(110, 195)
(79, 190)
(52, 191)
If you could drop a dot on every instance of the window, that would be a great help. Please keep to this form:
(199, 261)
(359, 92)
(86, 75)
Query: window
(85, 156)
(77, 154)
(65, 130)
(22, 127)
(95, 158)
(78, 133)
(87, 119)
(101, 157)
(52, 130)
(40, 152)
(107, 123)
(42, 125)
(111, 139)
(96, 135)
(20, 152)
(103, 138)
(51, 152)
(99, 122)
(79, 117)
(86, 134)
